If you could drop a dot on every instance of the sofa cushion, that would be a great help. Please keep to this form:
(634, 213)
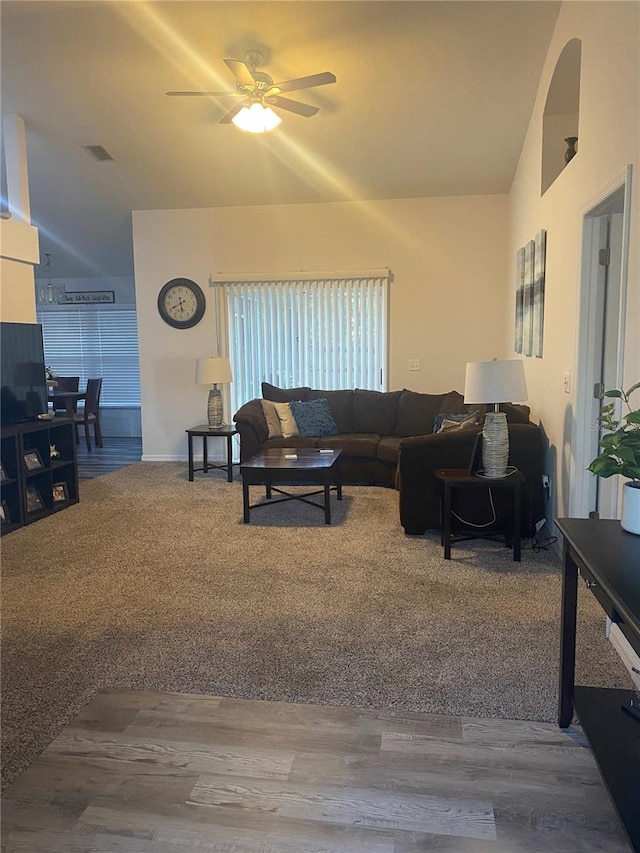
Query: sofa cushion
(516, 413)
(450, 420)
(252, 415)
(352, 444)
(289, 442)
(313, 418)
(454, 402)
(270, 412)
(417, 412)
(284, 395)
(389, 448)
(288, 423)
(341, 405)
(375, 411)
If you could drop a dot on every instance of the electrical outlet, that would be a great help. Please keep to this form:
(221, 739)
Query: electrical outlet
(414, 364)
(566, 383)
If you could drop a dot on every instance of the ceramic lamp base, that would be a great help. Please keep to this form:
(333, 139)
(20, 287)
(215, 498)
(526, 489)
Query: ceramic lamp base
(495, 445)
(214, 408)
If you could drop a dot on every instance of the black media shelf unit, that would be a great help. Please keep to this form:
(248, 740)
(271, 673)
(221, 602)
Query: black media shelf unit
(31, 493)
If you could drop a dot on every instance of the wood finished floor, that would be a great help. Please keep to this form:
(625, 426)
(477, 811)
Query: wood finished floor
(116, 453)
(146, 772)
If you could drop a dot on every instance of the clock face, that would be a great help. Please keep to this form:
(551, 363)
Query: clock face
(181, 303)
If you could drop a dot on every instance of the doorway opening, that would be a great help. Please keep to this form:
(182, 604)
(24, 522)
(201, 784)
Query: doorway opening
(601, 328)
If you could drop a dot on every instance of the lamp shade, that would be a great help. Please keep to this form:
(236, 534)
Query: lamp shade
(495, 382)
(213, 370)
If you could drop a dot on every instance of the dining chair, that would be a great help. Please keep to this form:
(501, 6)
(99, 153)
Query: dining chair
(90, 414)
(65, 383)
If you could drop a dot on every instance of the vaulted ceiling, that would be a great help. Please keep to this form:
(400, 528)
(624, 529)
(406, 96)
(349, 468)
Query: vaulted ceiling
(431, 99)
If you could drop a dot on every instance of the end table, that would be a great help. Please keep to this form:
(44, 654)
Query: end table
(227, 431)
(460, 478)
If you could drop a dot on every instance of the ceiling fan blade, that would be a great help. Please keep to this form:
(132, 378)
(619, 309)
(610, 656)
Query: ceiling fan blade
(241, 71)
(302, 83)
(228, 117)
(293, 106)
(215, 94)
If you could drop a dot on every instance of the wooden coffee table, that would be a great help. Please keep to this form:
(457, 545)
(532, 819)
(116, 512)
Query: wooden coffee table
(285, 465)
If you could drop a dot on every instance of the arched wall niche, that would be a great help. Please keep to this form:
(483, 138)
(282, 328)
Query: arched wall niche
(561, 112)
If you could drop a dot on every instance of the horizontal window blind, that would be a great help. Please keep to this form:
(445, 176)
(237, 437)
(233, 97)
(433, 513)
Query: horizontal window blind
(326, 333)
(95, 343)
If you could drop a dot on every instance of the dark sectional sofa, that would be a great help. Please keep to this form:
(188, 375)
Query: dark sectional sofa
(387, 439)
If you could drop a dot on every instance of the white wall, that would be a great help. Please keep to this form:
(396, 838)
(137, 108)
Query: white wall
(18, 253)
(448, 256)
(17, 301)
(608, 141)
(19, 249)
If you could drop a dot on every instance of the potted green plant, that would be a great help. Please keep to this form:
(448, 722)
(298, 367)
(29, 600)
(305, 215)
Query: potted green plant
(620, 454)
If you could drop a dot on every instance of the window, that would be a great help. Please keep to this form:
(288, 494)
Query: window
(92, 342)
(327, 332)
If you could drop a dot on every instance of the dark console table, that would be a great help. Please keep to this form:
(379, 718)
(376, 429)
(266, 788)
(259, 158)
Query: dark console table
(608, 559)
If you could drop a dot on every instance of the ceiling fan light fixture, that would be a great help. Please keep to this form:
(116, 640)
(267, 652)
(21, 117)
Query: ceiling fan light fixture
(256, 118)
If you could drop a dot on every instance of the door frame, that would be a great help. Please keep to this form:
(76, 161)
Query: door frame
(579, 492)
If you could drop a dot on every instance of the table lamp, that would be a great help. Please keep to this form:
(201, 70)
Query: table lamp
(214, 371)
(495, 382)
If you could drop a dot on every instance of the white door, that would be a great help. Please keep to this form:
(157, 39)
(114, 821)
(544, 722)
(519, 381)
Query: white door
(608, 232)
(600, 350)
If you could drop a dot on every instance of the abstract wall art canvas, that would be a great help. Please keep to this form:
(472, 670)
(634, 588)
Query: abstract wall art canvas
(529, 296)
(517, 344)
(538, 292)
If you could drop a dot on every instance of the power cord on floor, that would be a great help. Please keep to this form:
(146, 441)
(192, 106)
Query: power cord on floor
(542, 544)
(536, 545)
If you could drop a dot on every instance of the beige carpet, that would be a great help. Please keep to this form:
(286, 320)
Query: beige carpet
(155, 582)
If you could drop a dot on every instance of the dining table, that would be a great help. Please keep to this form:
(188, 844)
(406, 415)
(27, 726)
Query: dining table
(68, 398)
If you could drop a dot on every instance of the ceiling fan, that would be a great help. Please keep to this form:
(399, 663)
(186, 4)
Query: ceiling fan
(257, 93)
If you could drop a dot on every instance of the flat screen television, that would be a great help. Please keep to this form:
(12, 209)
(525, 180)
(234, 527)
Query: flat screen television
(23, 387)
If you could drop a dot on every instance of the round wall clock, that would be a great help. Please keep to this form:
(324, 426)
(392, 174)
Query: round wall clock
(181, 303)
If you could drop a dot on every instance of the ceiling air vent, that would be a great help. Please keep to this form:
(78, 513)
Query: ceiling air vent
(99, 152)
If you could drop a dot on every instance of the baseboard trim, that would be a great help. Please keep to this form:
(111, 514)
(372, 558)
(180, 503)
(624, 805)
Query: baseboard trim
(153, 457)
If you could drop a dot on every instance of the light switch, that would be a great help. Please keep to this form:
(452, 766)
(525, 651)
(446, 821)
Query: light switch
(567, 383)
(414, 364)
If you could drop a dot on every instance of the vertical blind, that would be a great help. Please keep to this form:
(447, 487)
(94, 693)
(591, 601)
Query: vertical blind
(326, 333)
(90, 343)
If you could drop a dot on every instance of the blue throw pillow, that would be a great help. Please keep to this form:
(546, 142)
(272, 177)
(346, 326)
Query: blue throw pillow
(314, 418)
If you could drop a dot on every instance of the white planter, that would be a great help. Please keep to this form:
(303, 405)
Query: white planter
(630, 520)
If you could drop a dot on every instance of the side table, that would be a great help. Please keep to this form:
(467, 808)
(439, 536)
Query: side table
(460, 478)
(227, 431)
